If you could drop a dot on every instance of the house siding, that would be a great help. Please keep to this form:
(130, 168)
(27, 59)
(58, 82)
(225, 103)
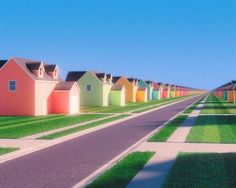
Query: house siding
(20, 102)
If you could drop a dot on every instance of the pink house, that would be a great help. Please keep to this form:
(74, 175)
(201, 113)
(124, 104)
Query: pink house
(31, 88)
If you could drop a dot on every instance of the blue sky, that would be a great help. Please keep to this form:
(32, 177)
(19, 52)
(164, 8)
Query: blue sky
(184, 42)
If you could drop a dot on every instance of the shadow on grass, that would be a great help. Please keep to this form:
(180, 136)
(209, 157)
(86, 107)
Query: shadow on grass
(190, 170)
(219, 107)
(215, 120)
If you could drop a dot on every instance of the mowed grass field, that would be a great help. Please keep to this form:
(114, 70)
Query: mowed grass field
(215, 105)
(165, 132)
(202, 170)
(129, 106)
(17, 127)
(7, 150)
(121, 173)
(213, 129)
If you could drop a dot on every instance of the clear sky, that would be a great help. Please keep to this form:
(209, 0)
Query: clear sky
(184, 42)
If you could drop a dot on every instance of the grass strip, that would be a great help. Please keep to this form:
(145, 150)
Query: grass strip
(81, 128)
(193, 107)
(200, 170)
(42, 126)
(165, 132)
(130, 106)
(123, 172)
(213, 129)
(7, 150)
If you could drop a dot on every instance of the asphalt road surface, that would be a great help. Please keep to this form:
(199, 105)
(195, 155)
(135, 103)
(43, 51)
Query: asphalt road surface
(66, 164)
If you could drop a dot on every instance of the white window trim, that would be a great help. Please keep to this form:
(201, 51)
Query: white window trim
(9, 89)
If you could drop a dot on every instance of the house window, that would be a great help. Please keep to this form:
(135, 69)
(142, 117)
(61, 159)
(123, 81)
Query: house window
(12, 85)
(89, 87)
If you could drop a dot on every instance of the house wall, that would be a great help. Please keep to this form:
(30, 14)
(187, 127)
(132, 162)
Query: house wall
(225, 95)
(172, 94)
(60, 102)
(93, 97)
(230, 96)
(130, 95)
(21, 102)
(74, 100)
(165, 94)
(141, 96)
(106, 92)
(155, 95)
(117, 98)
(43, 96)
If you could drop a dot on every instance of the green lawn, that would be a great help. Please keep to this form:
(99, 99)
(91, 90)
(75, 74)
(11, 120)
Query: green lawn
(165, 132)
(81, 128)
(215, 105)
(129, 106)
(34, 127)
(120, 174)
(193, 107)
(20, 120)
(202, 170)
(7, 150)
(214, 129)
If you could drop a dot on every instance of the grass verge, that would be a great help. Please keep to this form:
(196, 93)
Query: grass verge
(7, 150)
(213, 129)
(193, 107)
(47, 125)
(120, 174)
(200, 170)
(165, 132)
(81, 128)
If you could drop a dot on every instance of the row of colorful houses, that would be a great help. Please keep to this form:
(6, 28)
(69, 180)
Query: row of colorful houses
(31, 88)
(227, 91)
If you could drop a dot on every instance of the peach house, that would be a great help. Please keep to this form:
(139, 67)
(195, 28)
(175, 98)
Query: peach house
(32, 88)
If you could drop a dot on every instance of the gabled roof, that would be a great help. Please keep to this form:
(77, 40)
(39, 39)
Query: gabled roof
(131, 80)
(115, 79)
(100, 75)
(2, 63)
(149, 82)
(33, 65)
(108, 76)
(26, 65)
(50, 67)
(64, 85)
(74, 75)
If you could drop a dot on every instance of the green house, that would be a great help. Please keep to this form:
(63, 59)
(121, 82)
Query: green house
(95, 87)
(117, 95)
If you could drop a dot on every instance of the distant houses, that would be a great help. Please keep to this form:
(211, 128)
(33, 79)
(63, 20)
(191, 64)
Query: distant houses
(31, 88)
(227, 91)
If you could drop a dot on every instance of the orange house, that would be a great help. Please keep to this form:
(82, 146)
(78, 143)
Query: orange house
(31, 88)
(130, 84)
(141, 95)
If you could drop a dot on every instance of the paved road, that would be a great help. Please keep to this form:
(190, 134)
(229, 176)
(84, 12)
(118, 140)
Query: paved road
(66, 164)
